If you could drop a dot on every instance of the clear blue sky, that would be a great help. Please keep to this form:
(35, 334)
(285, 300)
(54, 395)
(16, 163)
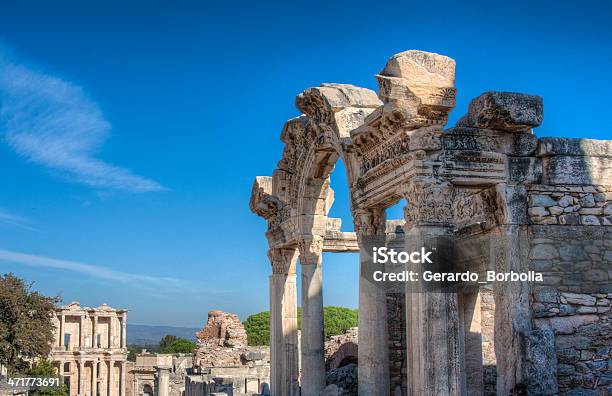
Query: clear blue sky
(131, 133)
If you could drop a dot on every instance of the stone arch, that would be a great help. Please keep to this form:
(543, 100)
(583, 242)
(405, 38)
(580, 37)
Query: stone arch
(453, 181)
(313, 144)
(296, 201)
(347, 353)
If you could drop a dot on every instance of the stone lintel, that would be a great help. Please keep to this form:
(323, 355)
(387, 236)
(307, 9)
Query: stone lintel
(549, 147)
(577, 170)
(475, 139)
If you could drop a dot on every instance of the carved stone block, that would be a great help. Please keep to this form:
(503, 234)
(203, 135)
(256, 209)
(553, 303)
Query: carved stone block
(504, 111)
(515, 144)
(548, 147)
(575, 170)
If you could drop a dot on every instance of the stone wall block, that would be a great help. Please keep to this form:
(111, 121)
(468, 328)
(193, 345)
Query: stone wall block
(504, 111)
(572, 170)
(524, 170)
(548, 147)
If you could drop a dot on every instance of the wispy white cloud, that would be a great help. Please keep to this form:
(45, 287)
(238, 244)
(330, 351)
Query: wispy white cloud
(95, 271)
(53, 122)
(14, 220)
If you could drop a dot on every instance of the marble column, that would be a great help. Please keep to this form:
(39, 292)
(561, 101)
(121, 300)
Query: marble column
(122, 379)
(373, 352)
(94, 378)
(111, 331)
(81, 377)
(435, 361)
(163, 380)
(284, 370)
(124, 330)
(94, 331)
(62, 329)
(312, 348)
(82, 331)
(110, 378)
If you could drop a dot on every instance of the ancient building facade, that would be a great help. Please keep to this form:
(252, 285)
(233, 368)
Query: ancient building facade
(510, 201)
(90, 350)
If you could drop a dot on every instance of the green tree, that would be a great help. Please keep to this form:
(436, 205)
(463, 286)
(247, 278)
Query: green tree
(26, 330)
(257, 327)
(166, 341)
(180, 345)
(45, 369)
(337, 320)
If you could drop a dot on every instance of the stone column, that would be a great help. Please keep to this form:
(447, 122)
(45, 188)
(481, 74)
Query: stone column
(94, 378)
(435, 363)
(163, 380)
(373, 352)
(62, 329)
(123, 330)
(122, 379)
(110, 379)
(284, 370)
(512, 311)
(81, 377)
(111, 331)
(313, 361)
(82, 331)
(94, 330)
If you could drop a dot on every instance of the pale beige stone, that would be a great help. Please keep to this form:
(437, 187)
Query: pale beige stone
(87, 338)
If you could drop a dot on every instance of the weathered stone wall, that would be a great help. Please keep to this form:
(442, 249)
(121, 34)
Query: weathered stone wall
(570, 205)
(574, 300)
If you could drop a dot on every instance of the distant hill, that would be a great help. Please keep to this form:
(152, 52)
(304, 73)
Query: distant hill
(150, 335)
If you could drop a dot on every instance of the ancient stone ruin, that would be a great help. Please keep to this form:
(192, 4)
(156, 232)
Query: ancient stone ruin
(223, 361)
(221, 342)
(507, 201)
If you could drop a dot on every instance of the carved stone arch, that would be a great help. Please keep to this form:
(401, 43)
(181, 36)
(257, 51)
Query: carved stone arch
(313, 144)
